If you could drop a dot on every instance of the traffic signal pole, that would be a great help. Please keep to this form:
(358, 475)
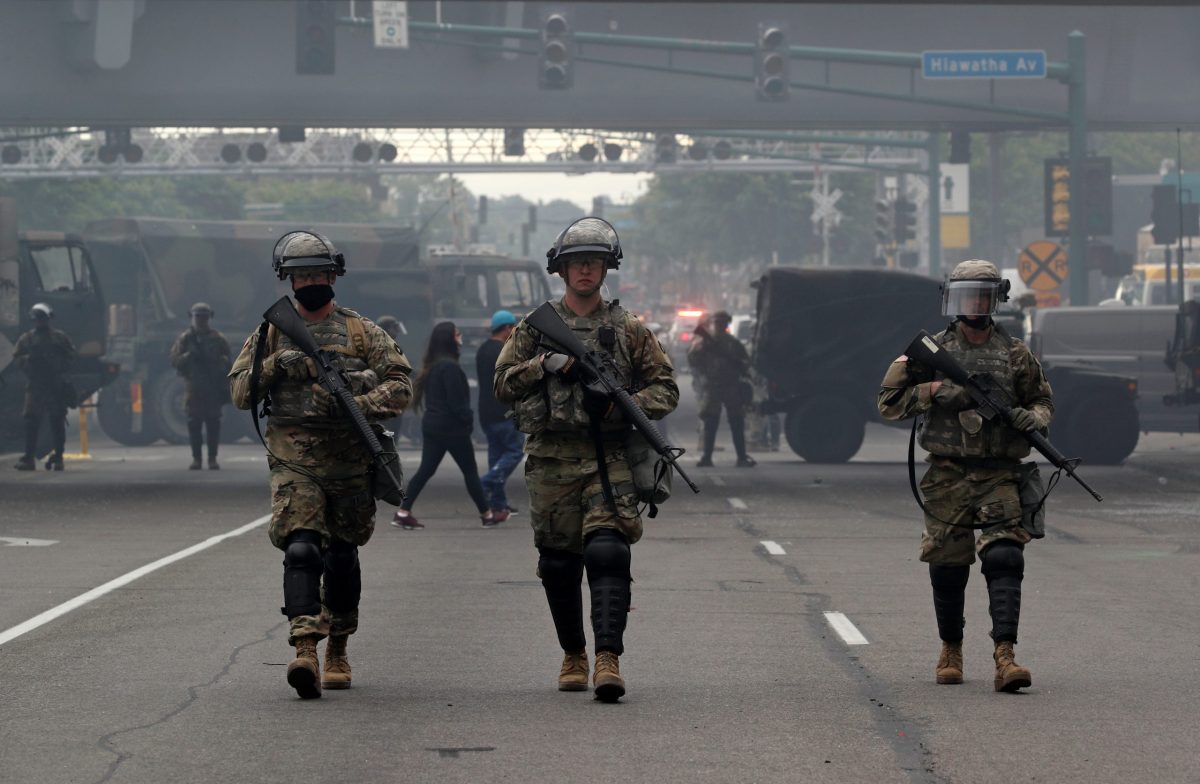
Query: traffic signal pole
(933, 204)
(1077, 277)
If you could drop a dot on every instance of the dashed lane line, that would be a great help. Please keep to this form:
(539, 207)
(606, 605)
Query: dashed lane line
(773, 548)
(737, 503)
(125, 579)
(845, 629)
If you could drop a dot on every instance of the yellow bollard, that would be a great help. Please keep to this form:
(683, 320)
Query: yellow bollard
(82, 454)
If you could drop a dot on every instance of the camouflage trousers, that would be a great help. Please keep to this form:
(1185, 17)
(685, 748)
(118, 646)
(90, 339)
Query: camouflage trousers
(566, 500)
(964, 496)
(337, 504)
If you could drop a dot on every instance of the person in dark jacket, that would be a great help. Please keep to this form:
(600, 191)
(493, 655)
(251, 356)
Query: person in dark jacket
(506, 444)
(441, 388)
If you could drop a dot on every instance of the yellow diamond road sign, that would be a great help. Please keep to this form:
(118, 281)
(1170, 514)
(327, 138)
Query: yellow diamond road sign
(1043, 265)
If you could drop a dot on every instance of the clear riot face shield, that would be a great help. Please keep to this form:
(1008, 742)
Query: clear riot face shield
(973, 298)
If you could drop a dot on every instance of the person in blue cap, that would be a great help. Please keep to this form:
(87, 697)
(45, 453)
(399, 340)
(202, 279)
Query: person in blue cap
(506, 444)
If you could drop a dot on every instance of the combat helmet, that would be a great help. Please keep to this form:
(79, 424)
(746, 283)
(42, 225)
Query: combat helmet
(586, 235)
(306, 250)
(41, 310)
(974, 289)
(201, 309)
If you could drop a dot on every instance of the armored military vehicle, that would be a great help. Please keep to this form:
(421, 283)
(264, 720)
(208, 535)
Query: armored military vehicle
(54, 268)
(824, 338)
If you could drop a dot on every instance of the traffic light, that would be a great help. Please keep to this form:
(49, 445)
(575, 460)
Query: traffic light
(556, 66)
(904, 225)
(1098, 196)
(483, 207)
(532, 222)
(598, 206)
(514, 141)
(771, 64)
(883, 222)
(960, 147)
(666, 148)
(1164, 214)
(316, 23)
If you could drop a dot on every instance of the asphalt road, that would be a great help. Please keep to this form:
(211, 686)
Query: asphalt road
(735, 673)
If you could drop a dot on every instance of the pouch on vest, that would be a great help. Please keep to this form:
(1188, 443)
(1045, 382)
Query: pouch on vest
(1033, 497)
(383, 486)
(651, 475)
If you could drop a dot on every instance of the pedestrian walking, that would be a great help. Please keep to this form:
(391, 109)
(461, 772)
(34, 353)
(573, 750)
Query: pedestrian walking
(506, 444)
(202, 357)
(975, 473)
(583, 504)
(322, 505)
(441, 389)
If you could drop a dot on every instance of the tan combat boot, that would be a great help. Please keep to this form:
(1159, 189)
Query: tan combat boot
(606, 680)
(950, 663)
(304, 673)
(1010, 676)
(574, 673)
(336, 674)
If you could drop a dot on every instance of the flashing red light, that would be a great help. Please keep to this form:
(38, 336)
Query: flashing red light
(685, 336)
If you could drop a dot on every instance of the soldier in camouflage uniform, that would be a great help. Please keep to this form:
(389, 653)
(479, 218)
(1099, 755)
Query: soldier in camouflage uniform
(322, 507)
(973, 476)
(722, 369)
(201, 355)
(576, 439)
(44, 354)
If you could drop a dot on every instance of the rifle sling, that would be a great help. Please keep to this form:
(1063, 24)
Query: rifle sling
(602, 464)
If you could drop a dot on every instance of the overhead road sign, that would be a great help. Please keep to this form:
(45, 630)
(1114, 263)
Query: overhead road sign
(390, 20)
(983, 64)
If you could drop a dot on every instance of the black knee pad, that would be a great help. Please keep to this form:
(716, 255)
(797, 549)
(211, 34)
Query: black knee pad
(343, 577)
(606, 554)
(1002, 559)
(948, 578)
(302, 567)
(560, 569)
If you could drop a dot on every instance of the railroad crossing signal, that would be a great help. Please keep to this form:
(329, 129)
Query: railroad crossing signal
(1043, 265)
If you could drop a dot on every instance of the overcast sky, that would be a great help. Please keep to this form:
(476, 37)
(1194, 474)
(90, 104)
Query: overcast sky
(580, 188)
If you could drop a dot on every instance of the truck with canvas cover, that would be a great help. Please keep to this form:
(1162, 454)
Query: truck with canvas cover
(824, 338)
(154, 269)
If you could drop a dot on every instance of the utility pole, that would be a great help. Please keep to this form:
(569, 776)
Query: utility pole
(933, 204)
(1076, 151)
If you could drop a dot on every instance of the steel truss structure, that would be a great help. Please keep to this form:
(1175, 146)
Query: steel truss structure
(91, 152)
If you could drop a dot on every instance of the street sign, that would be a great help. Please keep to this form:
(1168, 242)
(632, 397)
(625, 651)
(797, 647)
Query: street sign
(390, 19)
(983, 64)
(954, 188)
(1043, 265)
(956, 231)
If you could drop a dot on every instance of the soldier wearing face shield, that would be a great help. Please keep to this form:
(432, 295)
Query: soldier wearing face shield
(973, 474)
(322, 507)
(202, 357)
(576, 439)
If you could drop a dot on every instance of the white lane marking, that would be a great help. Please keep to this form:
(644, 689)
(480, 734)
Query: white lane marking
(737, 503)
(13, 541)
(718, 481)
(773, 548)
(125, 579)
(845, 629)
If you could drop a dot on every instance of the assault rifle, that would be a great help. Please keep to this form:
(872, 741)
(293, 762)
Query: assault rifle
(597, 376)
(992, 403)
(387, 482)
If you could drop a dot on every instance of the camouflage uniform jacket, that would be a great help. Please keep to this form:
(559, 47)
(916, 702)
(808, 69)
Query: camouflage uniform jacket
(719, 362)
(906, 392)
(44, 358)
(379, 377)
(203, 359)
(521, 380)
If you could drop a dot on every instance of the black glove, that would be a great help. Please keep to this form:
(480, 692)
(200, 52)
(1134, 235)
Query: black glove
(597, 404)
(1025, 420)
